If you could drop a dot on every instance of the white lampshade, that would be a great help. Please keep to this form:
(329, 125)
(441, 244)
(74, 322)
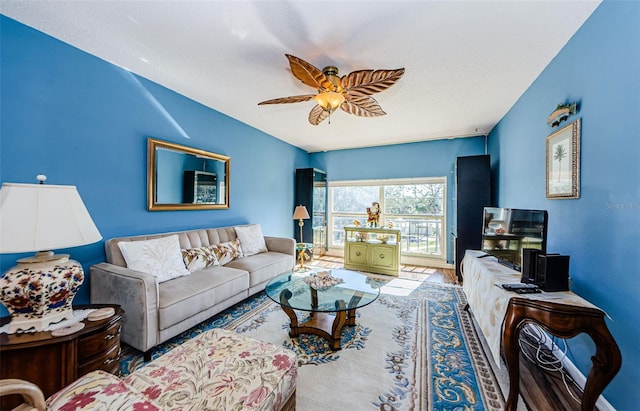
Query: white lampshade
(37, 217)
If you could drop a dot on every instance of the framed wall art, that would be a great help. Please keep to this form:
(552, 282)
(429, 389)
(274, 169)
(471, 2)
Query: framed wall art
(563, 162)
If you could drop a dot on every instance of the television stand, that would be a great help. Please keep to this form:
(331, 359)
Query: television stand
(563, 314)
(564, 321)
(509, 264)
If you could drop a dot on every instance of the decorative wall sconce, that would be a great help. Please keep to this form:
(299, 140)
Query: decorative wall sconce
(562, 113)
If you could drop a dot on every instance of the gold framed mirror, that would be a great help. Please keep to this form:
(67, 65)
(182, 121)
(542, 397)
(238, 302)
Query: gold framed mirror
(185, 178)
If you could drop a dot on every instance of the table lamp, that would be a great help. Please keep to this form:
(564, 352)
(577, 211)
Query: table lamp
(38, 218)
(301, 213)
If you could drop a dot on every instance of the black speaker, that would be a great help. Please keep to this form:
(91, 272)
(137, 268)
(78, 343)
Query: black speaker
(552, 272)
(529, 259)
(473, 193)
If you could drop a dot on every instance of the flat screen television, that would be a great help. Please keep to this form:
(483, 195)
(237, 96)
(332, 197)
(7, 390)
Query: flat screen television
(506, 231)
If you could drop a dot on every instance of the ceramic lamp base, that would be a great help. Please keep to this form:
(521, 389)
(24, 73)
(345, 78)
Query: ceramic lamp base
(39, 291)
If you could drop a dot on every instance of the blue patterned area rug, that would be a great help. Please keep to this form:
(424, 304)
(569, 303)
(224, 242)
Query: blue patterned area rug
(414, 348)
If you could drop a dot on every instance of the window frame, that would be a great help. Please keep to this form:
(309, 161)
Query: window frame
(406, 257)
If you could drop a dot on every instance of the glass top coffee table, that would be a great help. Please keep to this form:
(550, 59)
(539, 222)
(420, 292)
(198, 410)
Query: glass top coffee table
(330, 308)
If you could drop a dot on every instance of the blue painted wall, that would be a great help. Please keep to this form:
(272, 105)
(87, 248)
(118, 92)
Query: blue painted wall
(600, 69)
(85, 122)
(424, 159)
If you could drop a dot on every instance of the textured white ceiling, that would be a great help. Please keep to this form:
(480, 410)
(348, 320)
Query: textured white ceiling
(466, 62)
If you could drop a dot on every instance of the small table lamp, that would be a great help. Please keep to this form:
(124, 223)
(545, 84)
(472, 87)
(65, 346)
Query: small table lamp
(36, 217)
(301, 213)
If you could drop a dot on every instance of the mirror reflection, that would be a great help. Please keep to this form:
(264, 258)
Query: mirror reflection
(185, 178)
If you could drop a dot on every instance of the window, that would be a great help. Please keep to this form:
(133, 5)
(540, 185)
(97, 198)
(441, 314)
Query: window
(415, 206)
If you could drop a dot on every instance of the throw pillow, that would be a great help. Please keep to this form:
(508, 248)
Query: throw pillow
(227, 251)
(251, 239)
(159, 257)
(198, 258)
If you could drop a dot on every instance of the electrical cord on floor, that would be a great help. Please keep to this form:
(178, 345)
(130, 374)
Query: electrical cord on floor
(538, 341)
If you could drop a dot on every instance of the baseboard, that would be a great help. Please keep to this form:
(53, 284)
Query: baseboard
(602, 404)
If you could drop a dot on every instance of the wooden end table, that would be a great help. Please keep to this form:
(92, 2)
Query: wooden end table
(54, 362)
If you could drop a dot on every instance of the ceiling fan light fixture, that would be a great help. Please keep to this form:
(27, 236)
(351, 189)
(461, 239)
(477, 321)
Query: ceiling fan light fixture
(329, 100)
(351, 93)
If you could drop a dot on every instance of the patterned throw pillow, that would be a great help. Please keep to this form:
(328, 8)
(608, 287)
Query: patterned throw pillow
(227, 251)
(159, 257)
(251, 239)
(198, 258)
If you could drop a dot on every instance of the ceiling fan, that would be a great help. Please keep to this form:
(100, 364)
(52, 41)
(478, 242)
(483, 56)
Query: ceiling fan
(351, 93)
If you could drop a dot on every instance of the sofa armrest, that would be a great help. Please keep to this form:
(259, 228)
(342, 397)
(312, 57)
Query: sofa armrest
(281, 245)
(137, 293)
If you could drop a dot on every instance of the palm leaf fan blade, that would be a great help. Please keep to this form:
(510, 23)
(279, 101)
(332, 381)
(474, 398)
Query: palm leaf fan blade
(292, 99)
(371, 81)
(363, 106)
(317, 115)
(306, 72)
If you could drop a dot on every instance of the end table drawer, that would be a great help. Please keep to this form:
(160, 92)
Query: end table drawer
(99, 343)
(109, 362)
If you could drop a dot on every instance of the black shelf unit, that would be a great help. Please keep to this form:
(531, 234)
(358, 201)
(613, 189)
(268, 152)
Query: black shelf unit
(200, 187)
(311, 192)
(473, 193)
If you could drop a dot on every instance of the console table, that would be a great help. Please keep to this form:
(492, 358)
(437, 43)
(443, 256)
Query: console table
(54, 362)
(376, 250)
(501, 314)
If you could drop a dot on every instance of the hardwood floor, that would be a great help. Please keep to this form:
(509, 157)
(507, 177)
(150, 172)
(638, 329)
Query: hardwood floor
(410, 272)
(540, 389)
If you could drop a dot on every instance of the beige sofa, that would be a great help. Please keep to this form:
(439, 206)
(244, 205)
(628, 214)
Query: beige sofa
(157, 311)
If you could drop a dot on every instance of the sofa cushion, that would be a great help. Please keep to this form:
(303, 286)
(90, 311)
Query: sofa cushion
(263, 266)
(227, 251)
(99, 390)
(220, 370)
(185, 297)
(198, 258)
(159, 257)
(251, 239)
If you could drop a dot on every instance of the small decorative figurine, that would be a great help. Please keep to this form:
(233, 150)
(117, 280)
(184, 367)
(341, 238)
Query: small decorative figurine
(390, 224)
(374, 214)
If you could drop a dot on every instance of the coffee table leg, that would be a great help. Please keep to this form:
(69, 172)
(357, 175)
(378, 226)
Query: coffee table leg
(317, 325)
(351, 313)
(314, 298)
(284, 303)
(338, 323)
